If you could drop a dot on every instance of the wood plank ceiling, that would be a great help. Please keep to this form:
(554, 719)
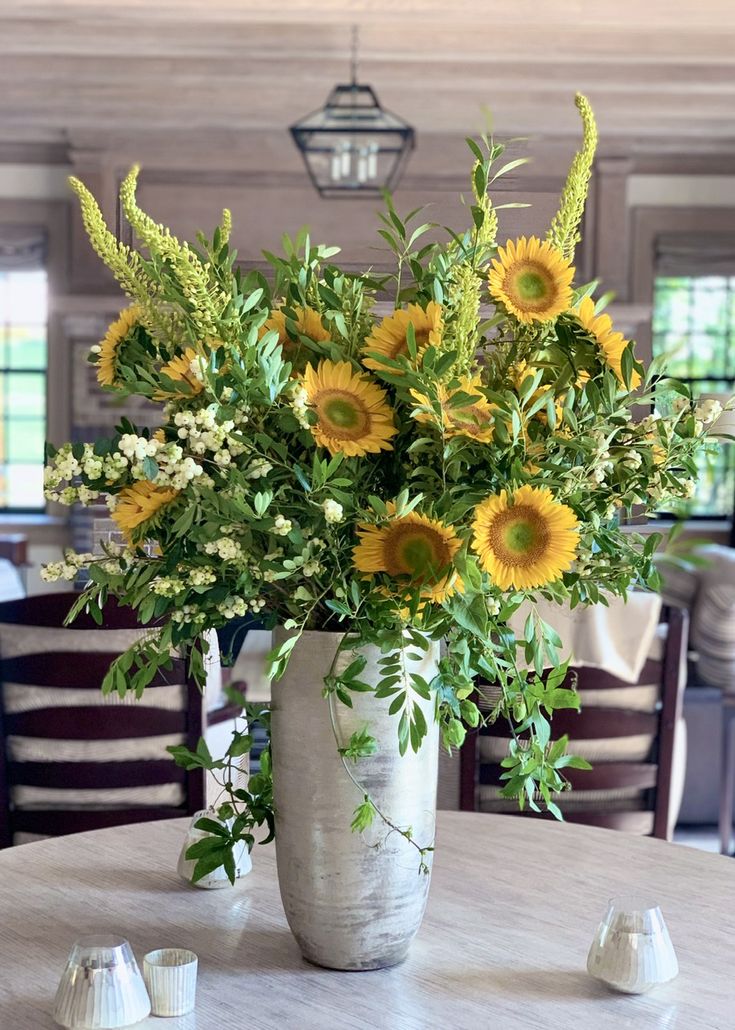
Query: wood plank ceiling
(655, 70)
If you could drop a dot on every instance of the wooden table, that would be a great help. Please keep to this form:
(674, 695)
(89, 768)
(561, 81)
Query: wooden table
(496, 950)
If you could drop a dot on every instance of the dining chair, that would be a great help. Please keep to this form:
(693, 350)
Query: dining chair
(629, 732)
(71, 758)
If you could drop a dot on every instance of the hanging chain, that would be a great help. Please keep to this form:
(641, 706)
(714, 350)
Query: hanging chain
(354, 42)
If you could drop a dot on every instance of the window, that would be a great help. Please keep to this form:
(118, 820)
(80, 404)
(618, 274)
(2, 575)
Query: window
(695, 317)
(23, 345)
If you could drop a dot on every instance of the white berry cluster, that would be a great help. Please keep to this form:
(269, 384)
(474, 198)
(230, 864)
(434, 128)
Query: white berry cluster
(203, 576)
(67, 569)
(173, 468)
(189, 613)
(708, 410)
(202, 433)
(225, 547)
(258, 468)
(282, 526)
(236, 607)
(168, 586)
(300, 404)
(333, 511)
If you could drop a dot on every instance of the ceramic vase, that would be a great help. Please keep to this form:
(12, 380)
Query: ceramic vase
(353, 900)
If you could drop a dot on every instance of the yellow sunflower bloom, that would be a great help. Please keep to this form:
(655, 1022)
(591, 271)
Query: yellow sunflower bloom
(308, 322)
(353, 415)
(531, 280)
(521, 371)
(527, 542)
(611, 343)
(474, 419)
(390, 338)
(110, 345)
(180, 370)
(140, 503)
(414, 548)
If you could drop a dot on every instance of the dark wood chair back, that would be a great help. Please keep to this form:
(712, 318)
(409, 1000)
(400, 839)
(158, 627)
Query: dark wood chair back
(75, 667)
(627, 731)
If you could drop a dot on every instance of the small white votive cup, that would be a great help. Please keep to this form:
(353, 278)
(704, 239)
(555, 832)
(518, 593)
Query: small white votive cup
(101, 987)
(171, 978)
(632, 950)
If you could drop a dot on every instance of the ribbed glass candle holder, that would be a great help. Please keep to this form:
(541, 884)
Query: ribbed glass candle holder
(101, 987)
(171, 978)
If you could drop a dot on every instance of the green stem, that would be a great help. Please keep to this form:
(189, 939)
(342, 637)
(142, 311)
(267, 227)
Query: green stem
(406, 834)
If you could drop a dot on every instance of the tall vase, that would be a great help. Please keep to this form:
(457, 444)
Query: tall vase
(353, 900)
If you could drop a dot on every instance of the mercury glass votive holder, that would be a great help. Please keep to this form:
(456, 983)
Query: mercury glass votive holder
(632, 950)
(101, 987)
(171, 978)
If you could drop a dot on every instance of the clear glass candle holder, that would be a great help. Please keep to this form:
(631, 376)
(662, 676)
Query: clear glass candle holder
(171, 978)
(632, 950)
(101, 987)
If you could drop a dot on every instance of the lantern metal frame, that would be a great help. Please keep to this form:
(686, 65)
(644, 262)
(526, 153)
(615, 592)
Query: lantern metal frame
(353, 115)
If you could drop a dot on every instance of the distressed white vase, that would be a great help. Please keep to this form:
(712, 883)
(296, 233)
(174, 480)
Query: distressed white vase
(352, 900)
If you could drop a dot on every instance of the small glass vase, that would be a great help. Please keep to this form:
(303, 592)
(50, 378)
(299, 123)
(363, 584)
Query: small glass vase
(218, 877)
(632, 950)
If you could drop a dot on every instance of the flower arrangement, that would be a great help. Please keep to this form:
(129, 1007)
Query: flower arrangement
(415, 474)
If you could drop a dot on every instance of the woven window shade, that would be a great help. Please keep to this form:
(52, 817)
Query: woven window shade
(693, 254)
(22, 248)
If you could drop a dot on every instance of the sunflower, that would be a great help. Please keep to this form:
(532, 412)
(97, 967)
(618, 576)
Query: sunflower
(473, 418)
(308, 322)
(611, 343)
(390, 338)
(527, 542)
(532, 280)
(180, 370)
(353, 415)
(139, 503)
(115, 336)
(413, 546)
(521, 371)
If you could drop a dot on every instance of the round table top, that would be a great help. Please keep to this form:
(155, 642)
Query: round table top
(513, 907)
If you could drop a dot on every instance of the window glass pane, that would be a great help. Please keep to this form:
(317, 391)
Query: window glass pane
(23, 352)
(25, 346)
(695, 317)
(24, 440)
(716, 485)
(23, 486)
(23, 394)
(26, 298)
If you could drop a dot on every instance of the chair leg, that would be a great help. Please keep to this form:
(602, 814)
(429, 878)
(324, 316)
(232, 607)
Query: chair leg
(727, 780)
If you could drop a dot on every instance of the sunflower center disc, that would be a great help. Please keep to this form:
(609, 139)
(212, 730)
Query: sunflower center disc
(532, 286)
(418, 554)
(341, 413)
(519, 536)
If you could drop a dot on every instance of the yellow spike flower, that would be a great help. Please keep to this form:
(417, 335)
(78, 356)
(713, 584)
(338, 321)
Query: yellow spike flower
(353, 415)
(531, 280)
(564, 231)
(527, 542)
